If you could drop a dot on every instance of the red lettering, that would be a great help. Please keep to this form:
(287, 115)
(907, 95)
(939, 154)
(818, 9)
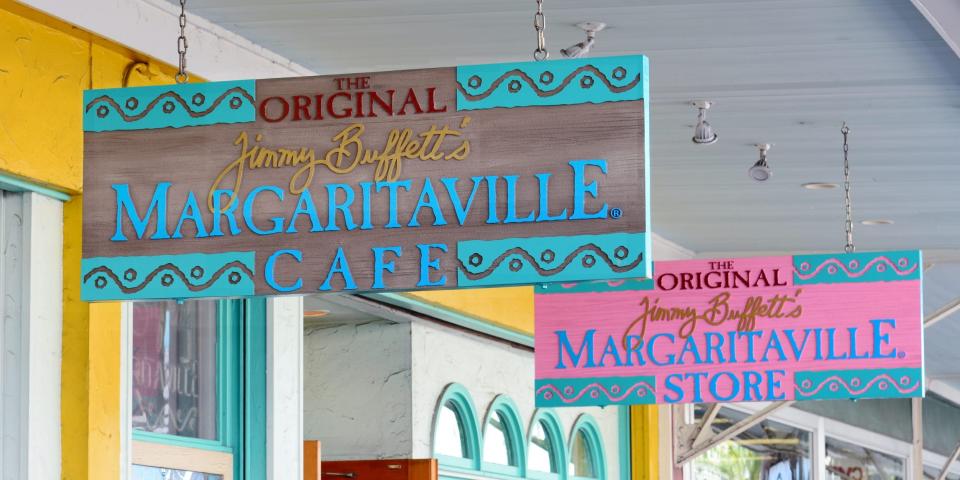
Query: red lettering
(346, 111)
(385, 107)
(301, 104)
(263, 109)
(432, 101)
(318, 107)
(665, 275)
(411, 100)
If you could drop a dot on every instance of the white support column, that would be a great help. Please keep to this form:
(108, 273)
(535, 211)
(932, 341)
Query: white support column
(42, 324)
(916, 458)
(285, 388)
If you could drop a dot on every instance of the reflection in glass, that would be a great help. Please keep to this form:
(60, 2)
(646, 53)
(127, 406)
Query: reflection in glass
(496, 442)
(174, 386)
(582, 463)
(143, 472)
(933, 473)
(847, 460)
(450, 439)
(767, 451)
(541, 455)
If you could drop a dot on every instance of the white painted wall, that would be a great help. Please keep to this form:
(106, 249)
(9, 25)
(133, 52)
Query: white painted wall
(487, 368)
(357, 399)
(285, 388)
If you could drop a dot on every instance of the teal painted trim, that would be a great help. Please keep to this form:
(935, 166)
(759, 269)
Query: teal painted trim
(177, 441)
(168, 276)
(599, 392)
(231, 317)
(625, 450)
(504, 406)
(858, 267)
(597, 286)
(851, 384)
(455, 318)
(14, 184)
(551, 259)
(559, 82)
(467, 412)
(255, 395)
(646, 170)
(558, 446)
(185, 105)
(586, 424)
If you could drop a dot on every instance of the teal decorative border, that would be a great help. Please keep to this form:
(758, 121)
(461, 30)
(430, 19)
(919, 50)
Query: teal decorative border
(186, 105)
(858, 267)
(552, 259)
(167, 276)
(598, 392)
(559, 82)
(850, 384)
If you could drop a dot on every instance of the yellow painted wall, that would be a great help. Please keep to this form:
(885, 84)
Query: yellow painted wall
(644, 442)
(45, 65)
(510, 307)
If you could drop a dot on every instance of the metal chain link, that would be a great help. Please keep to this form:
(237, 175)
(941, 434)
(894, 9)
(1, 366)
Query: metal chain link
(848, 207)
(182, 76)
(540, 24)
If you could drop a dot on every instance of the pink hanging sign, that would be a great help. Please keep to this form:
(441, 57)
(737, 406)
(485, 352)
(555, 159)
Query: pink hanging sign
(731, 330)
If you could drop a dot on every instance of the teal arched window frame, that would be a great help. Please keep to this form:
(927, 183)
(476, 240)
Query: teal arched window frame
(554, 430)
(462, 402)
(515, 437)
(591, 430)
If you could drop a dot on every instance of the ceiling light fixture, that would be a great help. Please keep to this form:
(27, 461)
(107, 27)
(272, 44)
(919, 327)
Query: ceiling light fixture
(580, 49)
(703, 133)
(876, 221)
(760, 171)
(819, 186)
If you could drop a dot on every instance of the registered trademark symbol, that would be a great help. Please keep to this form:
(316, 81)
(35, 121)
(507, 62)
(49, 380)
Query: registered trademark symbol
(615, 213)
(901, 354)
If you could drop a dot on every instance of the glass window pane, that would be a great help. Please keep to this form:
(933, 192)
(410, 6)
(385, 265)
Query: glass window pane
(847, 460)
(496, 442)
(932, 473)
(450, 439)
(582, 463)
(174, 384)
(143, 472)
(769, 450)
(541, 454)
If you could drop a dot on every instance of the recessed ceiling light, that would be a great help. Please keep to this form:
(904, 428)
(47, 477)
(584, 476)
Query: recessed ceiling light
(315, 313)
(819, 186)
(877, 221)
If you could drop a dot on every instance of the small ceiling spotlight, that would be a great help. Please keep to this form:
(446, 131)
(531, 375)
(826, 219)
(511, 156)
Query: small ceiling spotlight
(703, 133)
(760, 171)
(873, 222)
(819, 186)
(583, 48)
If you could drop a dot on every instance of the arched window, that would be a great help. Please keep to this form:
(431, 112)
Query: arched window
(456, 438)
(502, 438)
(586, 450)
(545, 448)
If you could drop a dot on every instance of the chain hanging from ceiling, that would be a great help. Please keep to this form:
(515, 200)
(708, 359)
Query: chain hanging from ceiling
(182, 76)
(848, 207)
(540, 24)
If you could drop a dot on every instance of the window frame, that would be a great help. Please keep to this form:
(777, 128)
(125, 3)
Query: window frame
(463, 404)
(588, 425)
(241, 394)
(553, 428)
(516, 439)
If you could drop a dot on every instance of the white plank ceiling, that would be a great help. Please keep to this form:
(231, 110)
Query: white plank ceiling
(786, 72)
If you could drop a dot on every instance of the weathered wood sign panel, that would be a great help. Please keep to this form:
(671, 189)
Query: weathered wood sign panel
(736, 330)
(449, 177)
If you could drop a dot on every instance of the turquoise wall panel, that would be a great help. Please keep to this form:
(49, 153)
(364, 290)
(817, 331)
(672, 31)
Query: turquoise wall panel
(857, 267)
(168, 276)
(850, 384)
(558, 82)
(582, 392)
(185, 105)
(551, 259)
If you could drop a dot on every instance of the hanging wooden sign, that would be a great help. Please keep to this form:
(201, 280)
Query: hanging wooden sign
(449, 177)
(806, 327)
